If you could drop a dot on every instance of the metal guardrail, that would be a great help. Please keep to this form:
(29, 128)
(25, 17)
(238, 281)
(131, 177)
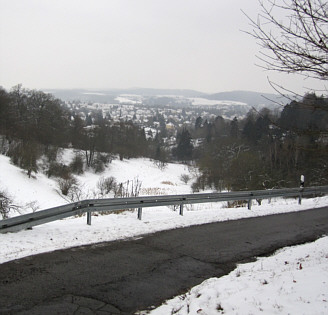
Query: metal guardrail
(112, 204)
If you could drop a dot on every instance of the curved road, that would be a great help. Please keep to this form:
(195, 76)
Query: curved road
(125, 276)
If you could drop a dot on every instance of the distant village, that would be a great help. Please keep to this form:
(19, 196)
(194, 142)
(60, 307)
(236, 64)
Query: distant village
(153, 114)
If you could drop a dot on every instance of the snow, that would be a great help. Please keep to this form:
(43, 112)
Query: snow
(37, 189)
(128, 99)
(294, 281)
(94, 93)
(154, 181)
(198, 101)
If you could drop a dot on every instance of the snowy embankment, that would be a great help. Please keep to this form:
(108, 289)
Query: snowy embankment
(293, 281)
(254, 283)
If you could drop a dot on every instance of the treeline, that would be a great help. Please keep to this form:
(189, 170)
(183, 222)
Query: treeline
(265, 150)
(34, 123)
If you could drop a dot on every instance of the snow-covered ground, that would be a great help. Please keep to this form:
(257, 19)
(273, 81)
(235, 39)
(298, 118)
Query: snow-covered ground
(129, 99)
(38, 190)
(267, 285)
(198, 101)
(292, 281)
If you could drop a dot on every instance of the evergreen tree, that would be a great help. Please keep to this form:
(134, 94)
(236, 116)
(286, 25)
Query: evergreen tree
(184, 148)
(234, 128)
(198, 123)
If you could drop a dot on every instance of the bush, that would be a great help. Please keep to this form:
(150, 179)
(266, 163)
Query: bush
(77, 193)
(185, 178)
(67, 184)
(105, 158)
(100, 161)
(98, 166)
(200, 184)
(77, 164)
(130, 188)
(160, 164)
(58, 170)
(106, 185)
(195, 187)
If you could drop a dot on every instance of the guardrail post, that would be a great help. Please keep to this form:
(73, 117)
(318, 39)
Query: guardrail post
(181, 209)
(89, 217)
(139, 213)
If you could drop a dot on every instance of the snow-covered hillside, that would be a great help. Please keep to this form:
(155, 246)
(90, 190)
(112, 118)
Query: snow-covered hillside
(270, 275)
(39, 191)
(43, 192)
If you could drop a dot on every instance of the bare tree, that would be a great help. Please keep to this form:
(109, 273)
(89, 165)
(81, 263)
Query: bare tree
(296, 43)
(6, 205)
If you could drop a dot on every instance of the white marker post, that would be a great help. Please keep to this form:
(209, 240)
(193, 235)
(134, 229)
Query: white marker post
(301, 189)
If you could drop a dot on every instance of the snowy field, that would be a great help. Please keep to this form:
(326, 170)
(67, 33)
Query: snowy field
(198, 101)
(294, 281)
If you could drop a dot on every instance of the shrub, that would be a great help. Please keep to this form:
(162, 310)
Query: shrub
(130, 188)
(106, 185)
(200, 184)
(160, 164)
(195, 187)
(58, 170)
(77, 164)
(185, 178)
(105, 158)
(100, 161)
(76, 193)
(66, 184)
(98, 166)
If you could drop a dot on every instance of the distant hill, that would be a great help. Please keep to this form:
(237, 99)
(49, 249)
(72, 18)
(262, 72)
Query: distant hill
(156, 92)
(108, 95)
(251, 98)
(255, 99)
(96, 96)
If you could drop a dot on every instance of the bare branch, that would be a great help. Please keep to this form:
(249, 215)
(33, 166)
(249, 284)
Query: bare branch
(297, 46)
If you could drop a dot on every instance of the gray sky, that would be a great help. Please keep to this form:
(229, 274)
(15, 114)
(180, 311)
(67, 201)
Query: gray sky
(184, 44)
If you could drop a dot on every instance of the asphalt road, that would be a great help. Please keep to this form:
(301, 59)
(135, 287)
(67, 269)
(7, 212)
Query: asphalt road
(125, 276)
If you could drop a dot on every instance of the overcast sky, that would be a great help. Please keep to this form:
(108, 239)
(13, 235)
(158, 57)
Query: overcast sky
(183, 44)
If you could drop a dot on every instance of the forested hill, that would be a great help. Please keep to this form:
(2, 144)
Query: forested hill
(248, 97)
(109, 95)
